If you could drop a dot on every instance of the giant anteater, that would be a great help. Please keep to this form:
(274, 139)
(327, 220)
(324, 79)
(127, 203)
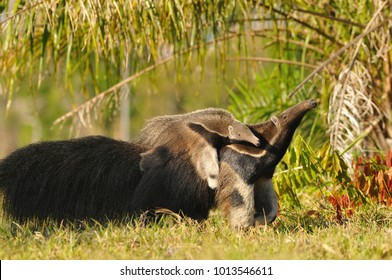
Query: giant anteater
(97, 177)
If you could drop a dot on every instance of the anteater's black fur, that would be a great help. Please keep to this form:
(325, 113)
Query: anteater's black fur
(99, 178)
(92, 177)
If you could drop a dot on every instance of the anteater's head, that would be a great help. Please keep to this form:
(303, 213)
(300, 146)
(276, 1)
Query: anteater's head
(242, 133)
(275, 134)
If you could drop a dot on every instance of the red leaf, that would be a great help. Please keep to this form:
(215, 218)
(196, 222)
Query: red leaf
(388, 159)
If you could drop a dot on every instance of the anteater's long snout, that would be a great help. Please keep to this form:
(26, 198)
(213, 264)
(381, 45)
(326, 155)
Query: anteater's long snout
(294, 114)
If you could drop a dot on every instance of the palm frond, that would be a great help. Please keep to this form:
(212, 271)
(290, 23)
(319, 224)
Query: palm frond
(352, 110)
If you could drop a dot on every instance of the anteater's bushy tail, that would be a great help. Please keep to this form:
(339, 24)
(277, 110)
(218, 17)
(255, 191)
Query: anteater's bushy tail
(91, 177)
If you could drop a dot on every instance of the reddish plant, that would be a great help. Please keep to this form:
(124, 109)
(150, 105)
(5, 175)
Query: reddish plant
(343, 205)
(372, 179)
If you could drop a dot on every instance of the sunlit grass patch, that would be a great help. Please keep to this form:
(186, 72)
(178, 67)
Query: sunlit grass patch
(294, 235)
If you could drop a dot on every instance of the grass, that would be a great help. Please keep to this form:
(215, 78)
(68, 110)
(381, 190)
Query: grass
(295, 235)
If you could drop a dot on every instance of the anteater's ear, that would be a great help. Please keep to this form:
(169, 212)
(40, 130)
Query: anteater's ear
(275, 120)
(231, 132)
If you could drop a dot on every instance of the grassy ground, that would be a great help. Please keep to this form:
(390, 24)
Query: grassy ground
(295, 235)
